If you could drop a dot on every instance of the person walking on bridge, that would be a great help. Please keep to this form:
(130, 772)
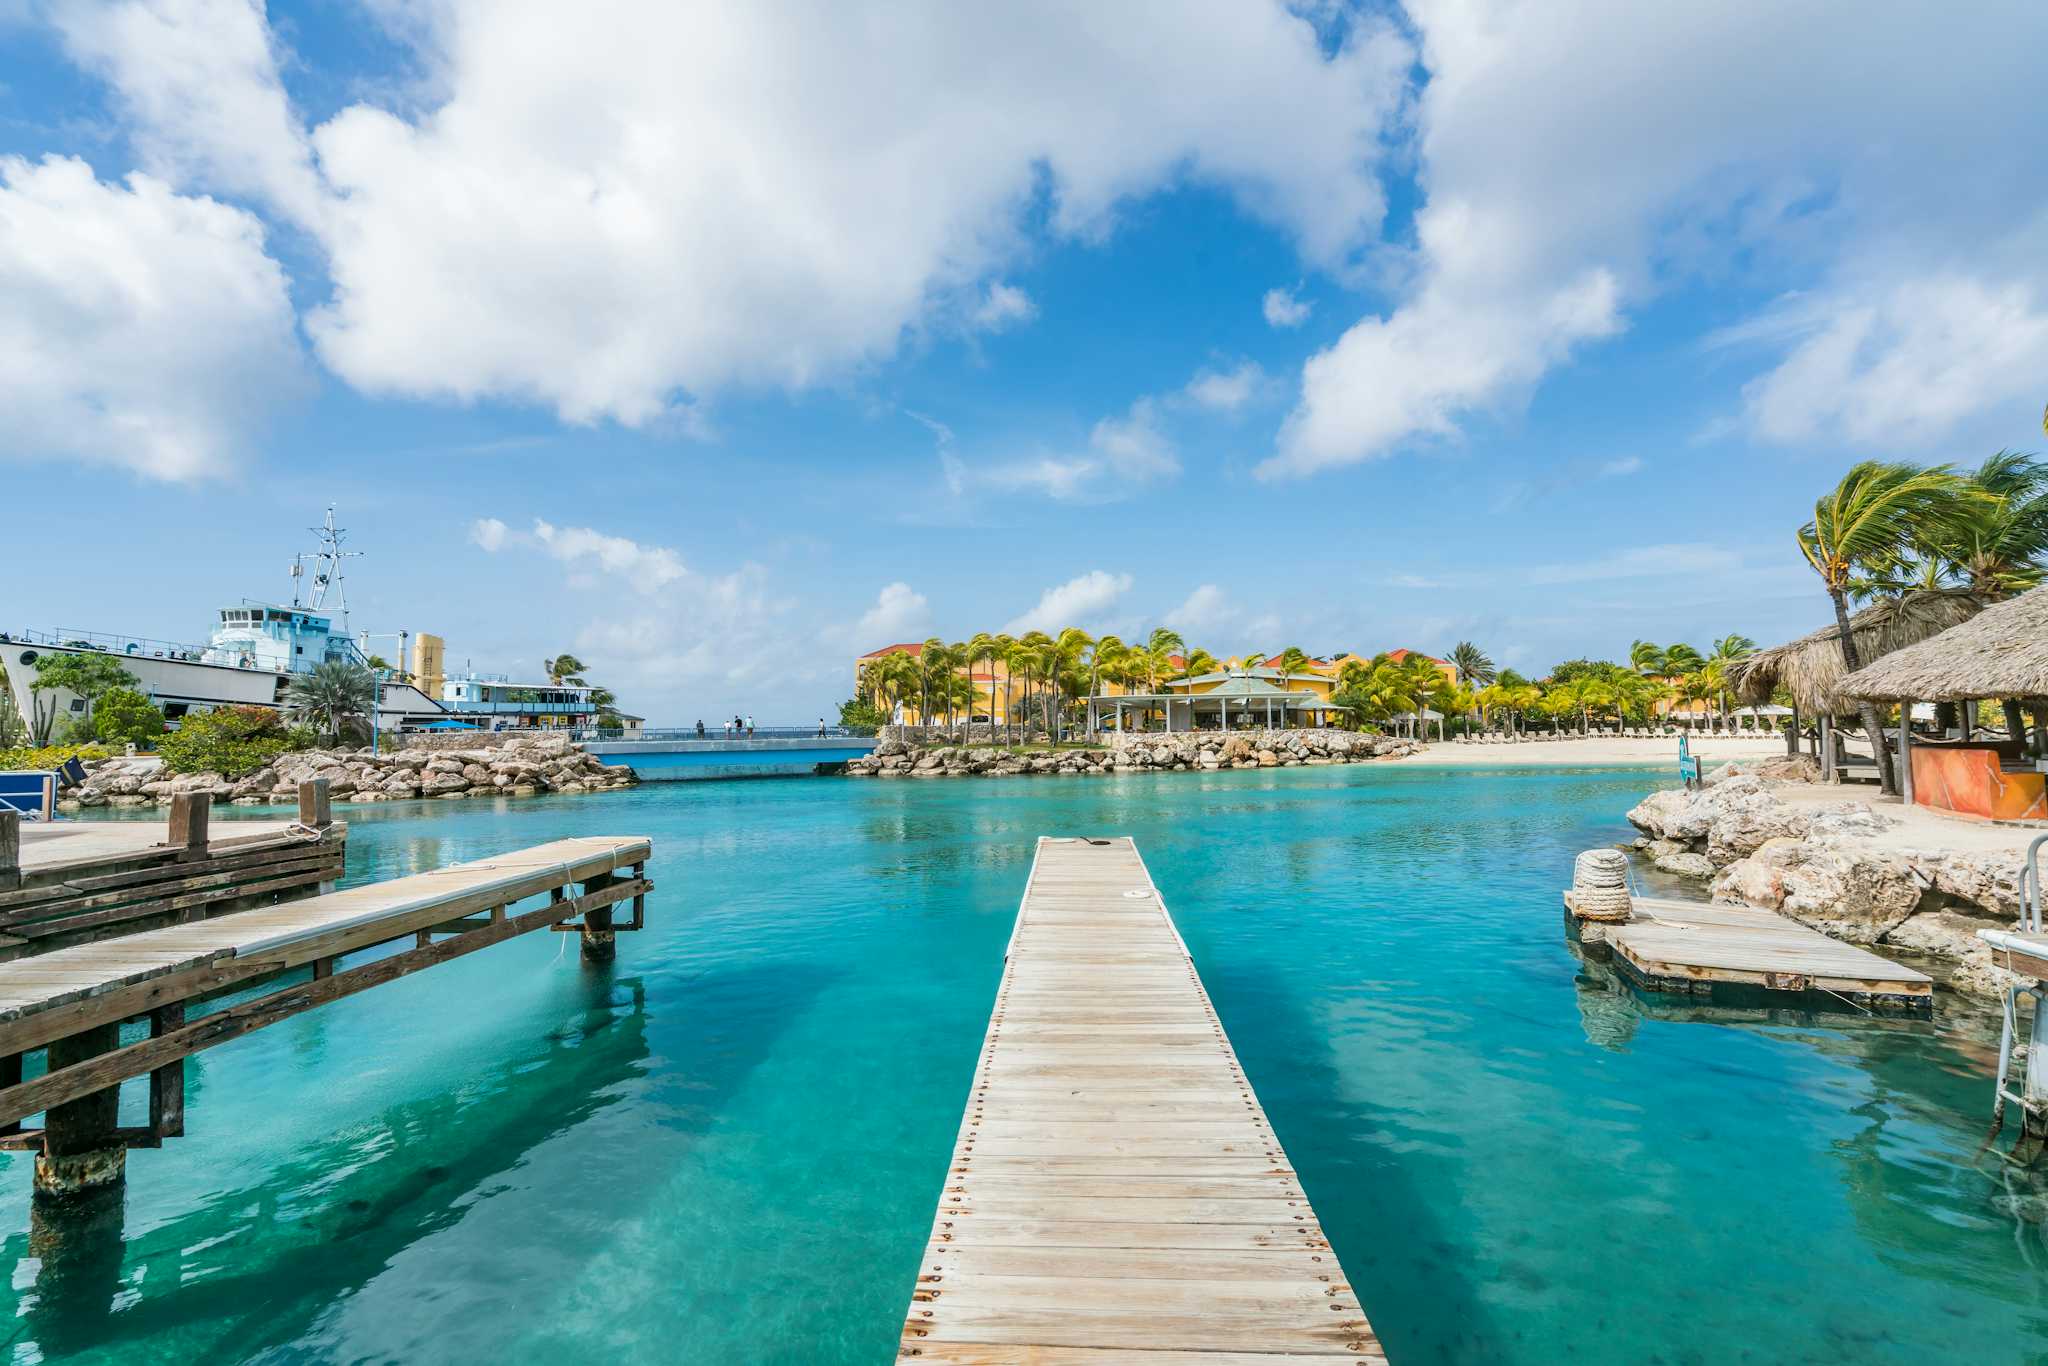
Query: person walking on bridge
(750, 725)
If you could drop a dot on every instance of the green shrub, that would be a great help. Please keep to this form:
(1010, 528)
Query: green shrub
(231, 741)
(123, 715)
(861, 716)
(50, 756)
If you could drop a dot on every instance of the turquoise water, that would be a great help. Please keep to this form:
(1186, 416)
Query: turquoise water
(728, 1146)
(691, 764)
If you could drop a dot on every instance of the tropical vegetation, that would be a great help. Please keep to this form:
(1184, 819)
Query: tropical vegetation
(335, 697)
(88, 674)
(1042, 681)
(231, 741)
(1890, 529)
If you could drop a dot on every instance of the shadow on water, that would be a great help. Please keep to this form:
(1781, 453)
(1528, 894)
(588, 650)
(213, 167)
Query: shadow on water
(253, 1269)
(1384, 1210)
(1907, 1179)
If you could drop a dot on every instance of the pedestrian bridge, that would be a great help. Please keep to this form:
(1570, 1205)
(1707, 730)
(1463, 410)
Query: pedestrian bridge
(675, 760)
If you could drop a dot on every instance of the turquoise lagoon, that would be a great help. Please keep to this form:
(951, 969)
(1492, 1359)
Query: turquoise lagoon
(728, 1146)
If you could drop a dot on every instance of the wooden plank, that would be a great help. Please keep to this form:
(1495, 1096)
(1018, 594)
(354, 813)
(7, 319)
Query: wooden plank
(66, 1084)
(209, 956)
(1116, 1193)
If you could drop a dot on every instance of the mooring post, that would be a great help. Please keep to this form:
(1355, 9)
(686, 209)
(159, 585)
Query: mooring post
(316, 812)
(82, 1150)
(10, 850)
(600, 941)
(191, 812)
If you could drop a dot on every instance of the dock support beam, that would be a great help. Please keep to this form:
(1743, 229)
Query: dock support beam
(82, 1148)
(10, 850)
(600, 941)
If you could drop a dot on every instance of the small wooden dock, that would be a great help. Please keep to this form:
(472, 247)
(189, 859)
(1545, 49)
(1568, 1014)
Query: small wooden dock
(1116, 1192)
(79, 881)
(71, 1002)
(1690, 947)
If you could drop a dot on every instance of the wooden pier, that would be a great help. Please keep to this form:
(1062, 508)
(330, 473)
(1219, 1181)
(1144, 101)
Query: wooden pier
(71, 1002)
(74, 882)
(1689, 947)
(1116, 1192)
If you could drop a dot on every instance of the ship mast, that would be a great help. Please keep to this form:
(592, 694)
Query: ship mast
(327, 575)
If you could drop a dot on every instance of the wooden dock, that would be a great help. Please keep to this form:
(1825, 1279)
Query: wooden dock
(1690, 947)
(1116, 1192)
(72, 1002)
(79, 881)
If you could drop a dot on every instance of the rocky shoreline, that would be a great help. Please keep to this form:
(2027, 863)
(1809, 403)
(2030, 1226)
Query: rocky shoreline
(1834, 867)
(1186, 751)
(520, 767)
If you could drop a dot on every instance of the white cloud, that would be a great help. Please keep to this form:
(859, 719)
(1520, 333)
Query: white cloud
(645, 568)
(1077, 602)
(900, 613)
(736, 646)
(138, 327)
(1227, 390)
(1003, 306)
(1626, 465)
(199, 83)
(1902, 365)
(612, 215)
(1124, 455)
(1208, 608)
(1283, 309)
(1781, 142)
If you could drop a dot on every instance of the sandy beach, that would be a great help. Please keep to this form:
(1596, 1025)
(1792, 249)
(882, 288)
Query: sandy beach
(1595, 750)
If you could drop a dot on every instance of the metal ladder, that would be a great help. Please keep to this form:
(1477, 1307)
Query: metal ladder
(2035, 1093)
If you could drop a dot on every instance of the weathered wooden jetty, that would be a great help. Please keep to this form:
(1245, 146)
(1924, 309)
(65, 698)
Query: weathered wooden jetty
(1116, 1192)
(70, 1002)
(73, 882)
(1688, 947)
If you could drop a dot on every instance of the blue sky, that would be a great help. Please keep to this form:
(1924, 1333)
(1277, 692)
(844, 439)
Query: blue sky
(719, 345)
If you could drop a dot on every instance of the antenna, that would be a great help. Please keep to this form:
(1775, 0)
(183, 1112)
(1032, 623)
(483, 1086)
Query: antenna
(326, 569)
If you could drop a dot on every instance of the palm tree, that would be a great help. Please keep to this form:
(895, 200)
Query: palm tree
(1869, 520)
(983, 647)
(1647, 659)
(564, 668)
(1998, 540)
(1062, 659)
(334, 696)
(1723, 655)
(1162, 645)
(1105, 658)
(1472, 664)
(1004, 649)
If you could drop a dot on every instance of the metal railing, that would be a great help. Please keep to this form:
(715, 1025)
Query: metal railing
(721, 732)
(2030, 887)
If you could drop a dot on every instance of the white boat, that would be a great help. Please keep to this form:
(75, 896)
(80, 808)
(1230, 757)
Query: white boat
(252, 653)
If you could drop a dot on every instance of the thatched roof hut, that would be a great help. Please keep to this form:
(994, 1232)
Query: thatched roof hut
(1810, 668)
(2001, 652)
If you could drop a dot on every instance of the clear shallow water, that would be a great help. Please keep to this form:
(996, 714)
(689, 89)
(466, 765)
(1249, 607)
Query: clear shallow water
(729, 1146)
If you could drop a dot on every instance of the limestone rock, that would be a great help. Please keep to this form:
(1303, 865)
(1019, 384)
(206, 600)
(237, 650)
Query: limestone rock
(1685, 864)
(1852, 894)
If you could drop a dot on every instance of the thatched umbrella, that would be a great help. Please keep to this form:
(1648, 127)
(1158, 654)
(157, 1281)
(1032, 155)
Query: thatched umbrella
(1810, 668)
(2002, 652)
